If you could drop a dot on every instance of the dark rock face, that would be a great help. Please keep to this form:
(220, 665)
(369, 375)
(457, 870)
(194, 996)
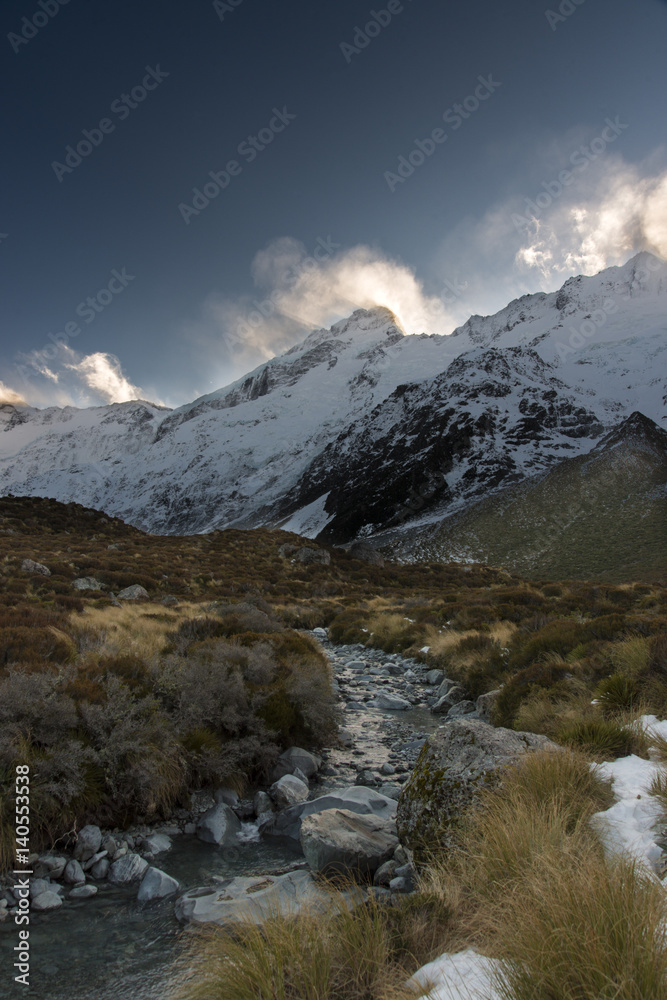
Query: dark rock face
(433, 445)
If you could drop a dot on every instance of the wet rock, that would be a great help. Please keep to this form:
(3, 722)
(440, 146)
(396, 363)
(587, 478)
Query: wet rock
(242, 899)
(73, 873)
(38, 886)
(262, 803)
(47, 901)
(156, 843)
(218, 825)
(130, 868)
(100, 870)
(156, 884)
(83, 892)
(340, 841)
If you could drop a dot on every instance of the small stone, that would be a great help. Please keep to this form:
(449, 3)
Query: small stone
(399, 885)
(83, 892)
(156, 843)
(387, 769)
(47, 901)
(100, 870)
(109, 845)
(38, 886)
(91, 862)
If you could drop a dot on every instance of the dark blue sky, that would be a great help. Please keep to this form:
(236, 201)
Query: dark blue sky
(323, 176)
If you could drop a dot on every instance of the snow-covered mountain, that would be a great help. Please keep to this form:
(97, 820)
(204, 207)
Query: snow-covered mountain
(361, 427)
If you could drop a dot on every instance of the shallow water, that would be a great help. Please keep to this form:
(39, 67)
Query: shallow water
(110, 948)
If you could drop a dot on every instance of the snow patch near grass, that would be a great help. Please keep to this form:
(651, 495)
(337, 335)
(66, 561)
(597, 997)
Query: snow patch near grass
(630, 824)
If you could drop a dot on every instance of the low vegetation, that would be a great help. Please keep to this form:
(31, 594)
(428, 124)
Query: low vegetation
(122, 709)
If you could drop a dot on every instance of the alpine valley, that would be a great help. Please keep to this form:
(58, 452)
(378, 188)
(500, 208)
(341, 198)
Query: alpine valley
(523, 438)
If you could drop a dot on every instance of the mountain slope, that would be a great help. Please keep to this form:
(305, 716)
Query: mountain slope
(602, 515)
(363, 416)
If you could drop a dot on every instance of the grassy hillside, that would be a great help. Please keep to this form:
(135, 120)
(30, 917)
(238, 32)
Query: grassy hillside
(598, 516)
(123, 708)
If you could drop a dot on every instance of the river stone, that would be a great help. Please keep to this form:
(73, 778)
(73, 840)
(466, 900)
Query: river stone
(73, 873)
(127, 869)
(52, 865)
(434, 677)
(455, 764)
(385, 873)
(226, 795)
(47, 901)
(100, 870)
(460, 709)
(38, 886)
(91, 862)
(87, 843)
(156, 884)
(253, 899)
(343, 842)
(358, 799)
(83, 892)
(308, 763)
(218, 825)
(156, 843)
(391, 702)
(288, 791)
(262, 803)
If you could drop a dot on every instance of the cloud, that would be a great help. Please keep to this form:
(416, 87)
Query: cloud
(298, 292)
(67, 378)
(102, 374)
(8, 395)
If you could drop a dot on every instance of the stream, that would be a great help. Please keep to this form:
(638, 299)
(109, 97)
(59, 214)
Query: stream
(111, 948)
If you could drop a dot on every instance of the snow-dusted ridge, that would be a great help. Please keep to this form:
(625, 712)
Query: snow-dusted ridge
(361, 418)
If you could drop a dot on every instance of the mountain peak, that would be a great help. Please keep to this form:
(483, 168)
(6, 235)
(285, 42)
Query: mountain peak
(638, 430)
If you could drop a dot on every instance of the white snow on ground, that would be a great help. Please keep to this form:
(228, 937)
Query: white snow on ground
(629, 825)
(309, 520)
(626, 827)
(464, 976)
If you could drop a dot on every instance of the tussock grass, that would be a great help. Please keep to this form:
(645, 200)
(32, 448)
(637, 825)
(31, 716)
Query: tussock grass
(131, 629)
(355, 954)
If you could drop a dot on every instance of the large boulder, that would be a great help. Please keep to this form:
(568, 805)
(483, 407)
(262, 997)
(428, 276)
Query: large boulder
(357, 799)
(252, 899)
(288, 791)
(218, 825)
(308, 763)
(156, 884)
(88, 843)
(455, 764)
(338, 841)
